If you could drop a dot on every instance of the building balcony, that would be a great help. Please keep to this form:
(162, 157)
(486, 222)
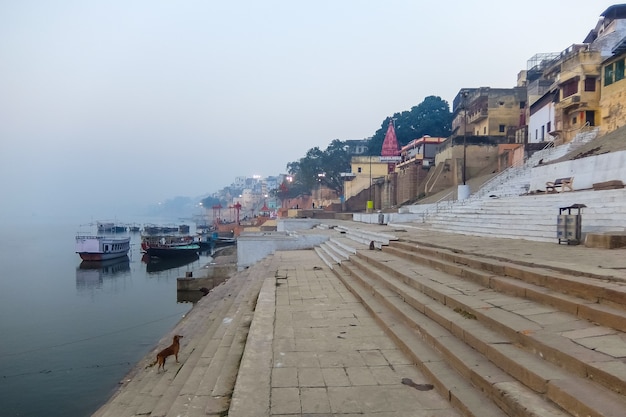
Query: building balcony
(571, 101)
(478, 116)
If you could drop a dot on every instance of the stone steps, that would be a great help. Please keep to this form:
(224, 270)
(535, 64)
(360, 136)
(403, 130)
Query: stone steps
(208, 387)
(600, 291)
(167, 392)
(213, 341)
(531, 341)
(530, 217)
(366, 237)
(599, 302)
(145, 386)
(461, 393)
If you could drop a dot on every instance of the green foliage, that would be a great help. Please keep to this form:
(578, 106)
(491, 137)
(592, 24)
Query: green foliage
(431, 117)
(319, 167)
(209, 202)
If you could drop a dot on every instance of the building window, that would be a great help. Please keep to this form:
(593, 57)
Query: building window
(608, 74)
(619, 70)
(359, 170)
(549, 127)
(590, 84)
(569, 88)
(501, 128)
(574, 120)
(590, 117)
(543, 133)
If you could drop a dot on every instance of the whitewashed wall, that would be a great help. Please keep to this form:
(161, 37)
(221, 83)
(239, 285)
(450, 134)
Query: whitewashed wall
(253, 247)
(586, 171)
(538, 119)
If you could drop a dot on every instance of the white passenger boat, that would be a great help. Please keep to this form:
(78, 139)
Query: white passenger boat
(101, 248)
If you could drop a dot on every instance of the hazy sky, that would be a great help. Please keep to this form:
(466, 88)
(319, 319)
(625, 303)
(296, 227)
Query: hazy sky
(108, 104)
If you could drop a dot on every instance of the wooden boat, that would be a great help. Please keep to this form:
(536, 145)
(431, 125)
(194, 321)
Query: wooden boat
(151, 229)
(109, 227)
(212, 241)
(101, 248)
(170, 246)
(174, 251)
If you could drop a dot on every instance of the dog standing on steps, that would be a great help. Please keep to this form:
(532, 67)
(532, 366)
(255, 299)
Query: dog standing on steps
(168, 351)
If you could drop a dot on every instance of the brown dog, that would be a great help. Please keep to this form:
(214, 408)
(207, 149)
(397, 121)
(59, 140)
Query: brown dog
(168, 351)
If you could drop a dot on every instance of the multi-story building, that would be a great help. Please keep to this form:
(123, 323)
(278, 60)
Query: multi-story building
(485, 111)
(613, 97)
(578, 77)
(357, 147)
(576, 90)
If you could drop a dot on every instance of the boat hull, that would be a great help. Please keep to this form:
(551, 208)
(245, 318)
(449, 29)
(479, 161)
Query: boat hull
(174, 251)
(87, 256)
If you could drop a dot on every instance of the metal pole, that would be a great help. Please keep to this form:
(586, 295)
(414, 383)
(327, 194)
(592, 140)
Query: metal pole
(464, 141)
(371, 178)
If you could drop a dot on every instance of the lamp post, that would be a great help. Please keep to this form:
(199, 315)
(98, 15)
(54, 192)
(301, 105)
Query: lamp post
(464, 95)
(463, 191)
(370, 202)
(370, 177)
(320, 178)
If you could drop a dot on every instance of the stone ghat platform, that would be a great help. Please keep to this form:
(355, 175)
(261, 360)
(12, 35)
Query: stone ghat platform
(392, 321)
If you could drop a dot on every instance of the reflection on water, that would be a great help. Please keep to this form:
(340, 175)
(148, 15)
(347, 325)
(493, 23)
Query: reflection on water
(160, 264)
(90, 274)
(85, 324)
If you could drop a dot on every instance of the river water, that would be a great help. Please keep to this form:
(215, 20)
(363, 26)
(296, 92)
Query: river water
(70, 332)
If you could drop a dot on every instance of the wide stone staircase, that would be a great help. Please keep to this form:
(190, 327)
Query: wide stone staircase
(495, 337)
(503, 207)
(203, 382)
(531, 217)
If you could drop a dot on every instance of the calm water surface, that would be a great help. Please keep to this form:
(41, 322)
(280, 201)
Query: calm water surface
(70, 333)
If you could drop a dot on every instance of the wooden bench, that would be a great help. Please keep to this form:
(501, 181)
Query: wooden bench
(560, 185)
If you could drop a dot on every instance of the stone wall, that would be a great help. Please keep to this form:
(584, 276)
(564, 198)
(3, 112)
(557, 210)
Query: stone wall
(586, 171)
(253, 247)
(613, 104)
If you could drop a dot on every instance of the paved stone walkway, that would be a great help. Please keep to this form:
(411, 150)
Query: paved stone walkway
(327, 355)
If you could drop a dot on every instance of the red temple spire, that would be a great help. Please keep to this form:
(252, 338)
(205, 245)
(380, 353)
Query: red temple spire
(390, 144)
(390, 149)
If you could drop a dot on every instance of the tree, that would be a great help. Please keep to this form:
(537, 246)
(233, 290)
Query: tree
(431, 117)
(336, 161)
(320, 167)
(210, 201)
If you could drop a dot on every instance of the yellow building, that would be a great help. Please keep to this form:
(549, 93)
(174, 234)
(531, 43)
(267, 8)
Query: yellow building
(576, 76)
(613, 98)
(364, 171)
(488, 111)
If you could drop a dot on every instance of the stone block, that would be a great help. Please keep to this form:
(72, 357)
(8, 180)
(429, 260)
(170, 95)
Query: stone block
(606, 240)
(608, 185)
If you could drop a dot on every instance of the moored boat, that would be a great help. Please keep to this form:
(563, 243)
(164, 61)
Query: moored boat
(101, 248)
(174, 251)
(170, 246)
(110, 227)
